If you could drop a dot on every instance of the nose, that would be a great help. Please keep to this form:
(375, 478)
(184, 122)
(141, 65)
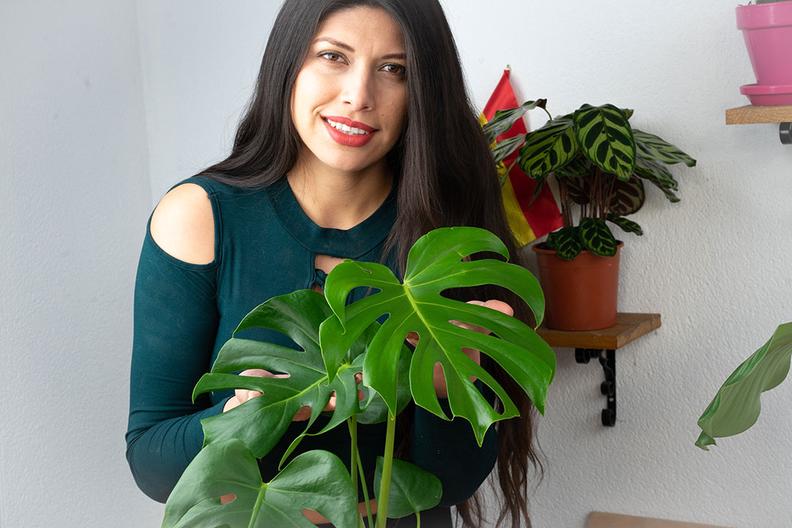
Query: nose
(358, 91)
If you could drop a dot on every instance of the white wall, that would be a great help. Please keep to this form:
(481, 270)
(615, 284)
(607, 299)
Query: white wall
(84, 159)
(74, 193)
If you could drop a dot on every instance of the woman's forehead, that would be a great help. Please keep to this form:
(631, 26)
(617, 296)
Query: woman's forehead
(361, 30)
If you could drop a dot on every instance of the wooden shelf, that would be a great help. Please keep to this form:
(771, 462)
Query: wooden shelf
(749, 115)
(628, 328)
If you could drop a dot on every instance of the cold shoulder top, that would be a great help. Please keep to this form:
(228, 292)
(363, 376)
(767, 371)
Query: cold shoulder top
(265, 245)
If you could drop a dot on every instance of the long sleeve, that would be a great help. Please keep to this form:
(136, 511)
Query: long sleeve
(450, 452)
(175, 326)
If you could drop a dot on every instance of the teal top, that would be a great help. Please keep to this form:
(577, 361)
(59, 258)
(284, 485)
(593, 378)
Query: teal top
(265, 245)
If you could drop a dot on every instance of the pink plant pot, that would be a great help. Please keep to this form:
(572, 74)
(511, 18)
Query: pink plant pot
(767, 30)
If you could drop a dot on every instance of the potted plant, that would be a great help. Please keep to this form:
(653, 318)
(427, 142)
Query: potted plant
(767, 30)
(736, 406)
(337, 341)
(599, 163)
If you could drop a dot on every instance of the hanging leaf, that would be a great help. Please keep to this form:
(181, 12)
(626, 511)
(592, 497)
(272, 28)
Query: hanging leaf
(548, 148)
(503, 120)
(628, 226)
(737, 404)
(606, 138)
(434, 265)
(657, 149)
(566, 242)
(504, 149)
(657, 175)
(318, 478)
(597, 237)
(412, 489)
(261, 422)
(628, 197)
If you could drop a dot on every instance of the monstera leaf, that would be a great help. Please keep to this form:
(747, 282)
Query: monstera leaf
(736, 406)
(261, 422)
(435, 264)
(412, 489)
(318, 478)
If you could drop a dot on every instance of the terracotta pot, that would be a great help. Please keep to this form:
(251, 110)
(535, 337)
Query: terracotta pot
(580, 294)
(767, 30)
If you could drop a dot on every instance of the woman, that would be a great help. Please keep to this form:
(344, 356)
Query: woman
(359, 139)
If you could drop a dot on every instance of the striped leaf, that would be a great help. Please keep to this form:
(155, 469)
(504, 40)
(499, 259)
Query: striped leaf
(503, 120)
(503, 149)
(628, 226)
(628, 197)
(596, 236)
(659, 176)
(548, 148)
(658, 149)
(578, 188)
(606, 138)
(566, 243)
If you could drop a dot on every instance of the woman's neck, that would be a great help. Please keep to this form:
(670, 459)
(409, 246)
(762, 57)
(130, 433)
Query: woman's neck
(338, 199)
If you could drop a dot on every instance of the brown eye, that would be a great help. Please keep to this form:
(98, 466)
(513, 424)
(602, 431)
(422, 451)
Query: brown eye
(333, 55)
(396, 69)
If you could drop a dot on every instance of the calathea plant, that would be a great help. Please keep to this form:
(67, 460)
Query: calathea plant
(600, 164)
(336, 342)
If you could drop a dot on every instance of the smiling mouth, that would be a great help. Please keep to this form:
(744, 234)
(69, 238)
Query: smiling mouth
(346, 129)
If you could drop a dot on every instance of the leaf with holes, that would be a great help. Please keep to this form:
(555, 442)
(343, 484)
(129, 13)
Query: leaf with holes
(606, 138)
(597, 237)
(628, 197)
(628, 226)
(318, 478)
(548, 148)
(658, 149)
(261, 422)
(503, 120)
(436, 263)
(737, 404)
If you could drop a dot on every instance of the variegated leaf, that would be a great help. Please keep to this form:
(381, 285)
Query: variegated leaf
(606, 138)
(503, 149)
(628, 226)
(628, 197)
(658, 175)
(656, 148)
(503, 120)
(548, 148)
(597, 237)
(566, 243)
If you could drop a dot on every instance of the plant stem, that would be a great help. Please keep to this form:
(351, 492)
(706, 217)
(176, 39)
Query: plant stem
(257, 507)
(417, 519)
(352, 425)
(365, 490)
(384, 491)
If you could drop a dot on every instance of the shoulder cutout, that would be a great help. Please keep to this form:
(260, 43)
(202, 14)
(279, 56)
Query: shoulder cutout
(183, 224)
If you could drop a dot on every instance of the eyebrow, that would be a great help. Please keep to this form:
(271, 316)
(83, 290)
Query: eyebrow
(347, 47)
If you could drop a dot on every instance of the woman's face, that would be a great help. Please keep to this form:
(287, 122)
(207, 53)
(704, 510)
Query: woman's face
(353, 76)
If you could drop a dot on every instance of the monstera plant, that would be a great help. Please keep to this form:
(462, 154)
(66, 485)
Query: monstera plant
(337, 341)
(736, 406)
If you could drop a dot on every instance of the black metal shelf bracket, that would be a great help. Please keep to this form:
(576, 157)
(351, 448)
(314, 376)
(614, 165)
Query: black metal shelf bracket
(785, 131)
(607, 358)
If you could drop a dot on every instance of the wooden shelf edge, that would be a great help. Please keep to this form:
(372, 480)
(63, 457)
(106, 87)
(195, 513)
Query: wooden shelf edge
(628, 328)
(750, 115)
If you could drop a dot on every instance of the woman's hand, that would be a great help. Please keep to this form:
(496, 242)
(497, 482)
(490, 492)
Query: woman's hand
(475, 355)
(243, 395)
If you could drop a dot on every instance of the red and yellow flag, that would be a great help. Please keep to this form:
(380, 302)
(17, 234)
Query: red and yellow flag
(528, 221)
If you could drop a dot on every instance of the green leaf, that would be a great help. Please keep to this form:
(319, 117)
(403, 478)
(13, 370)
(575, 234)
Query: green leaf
(606, 138)
(503, 120)
(657, 175)
(656, 148)
(503, 150)
(628, 197)
(434, 265)
(412, 489)
(737, 405)
(261, 422)
(566, 242)
(597, 237)
(315, 480)
(548, 148)
(628, 226)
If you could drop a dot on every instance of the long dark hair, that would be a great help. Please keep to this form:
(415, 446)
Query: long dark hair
(442, 164)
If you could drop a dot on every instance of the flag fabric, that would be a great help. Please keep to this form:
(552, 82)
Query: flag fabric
(527, 220)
